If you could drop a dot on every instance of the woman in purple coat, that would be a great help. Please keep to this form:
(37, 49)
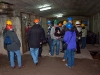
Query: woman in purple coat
(70, 39)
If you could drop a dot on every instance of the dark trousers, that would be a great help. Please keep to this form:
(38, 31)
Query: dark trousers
(63, 48)
(78, 46)
(8, 55)
(83, 42)
(40, 50)
(49, 43)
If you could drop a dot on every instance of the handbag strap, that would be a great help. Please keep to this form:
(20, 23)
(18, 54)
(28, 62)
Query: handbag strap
(70, 38)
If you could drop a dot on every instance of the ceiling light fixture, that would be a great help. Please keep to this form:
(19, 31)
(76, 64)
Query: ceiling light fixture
(59, 15)
(45, 8)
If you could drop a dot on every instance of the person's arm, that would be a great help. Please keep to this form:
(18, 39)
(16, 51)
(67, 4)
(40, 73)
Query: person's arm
(66, 37)
(52, 33)
(41, 36)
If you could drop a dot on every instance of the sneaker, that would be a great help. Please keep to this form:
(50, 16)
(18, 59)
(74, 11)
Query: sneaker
(68, 66)
(49, 53)
(63, 60)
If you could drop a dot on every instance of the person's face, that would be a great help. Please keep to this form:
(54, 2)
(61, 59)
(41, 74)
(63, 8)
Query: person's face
(70, 21)
(49, 25)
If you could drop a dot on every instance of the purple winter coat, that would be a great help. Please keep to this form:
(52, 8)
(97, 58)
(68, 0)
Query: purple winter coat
(72, 43)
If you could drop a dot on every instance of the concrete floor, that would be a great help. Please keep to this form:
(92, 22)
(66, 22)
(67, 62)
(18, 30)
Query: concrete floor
(84, 64)
(84, 52)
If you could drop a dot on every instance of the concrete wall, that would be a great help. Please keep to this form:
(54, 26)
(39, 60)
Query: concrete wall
(2, 26)
(44, 24)
(95, 24)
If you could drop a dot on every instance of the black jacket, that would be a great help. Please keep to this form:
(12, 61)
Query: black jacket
(35, 36)
(4, 31)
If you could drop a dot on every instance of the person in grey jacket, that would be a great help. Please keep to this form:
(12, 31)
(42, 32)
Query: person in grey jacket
(55, 38)
(14, 47)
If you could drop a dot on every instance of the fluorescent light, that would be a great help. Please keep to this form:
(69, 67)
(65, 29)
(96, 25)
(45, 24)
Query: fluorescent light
(43, 6)
(46, 8)
(59, 15)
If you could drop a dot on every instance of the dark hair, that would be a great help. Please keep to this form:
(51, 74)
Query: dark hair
(83, 27)
(29, 25)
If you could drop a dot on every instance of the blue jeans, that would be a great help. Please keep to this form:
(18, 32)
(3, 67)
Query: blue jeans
(57, 43)
(65, 54)
(34, 53)
(70, 56)
(15, 58)
(18, 58)
(83, 42)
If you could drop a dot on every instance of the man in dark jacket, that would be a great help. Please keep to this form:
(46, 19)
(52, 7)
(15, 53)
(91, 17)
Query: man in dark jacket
(14, 46)
(35, 37)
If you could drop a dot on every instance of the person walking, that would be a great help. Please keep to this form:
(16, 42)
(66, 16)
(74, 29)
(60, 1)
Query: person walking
(35, 38)
(13, 47)
(70, 40)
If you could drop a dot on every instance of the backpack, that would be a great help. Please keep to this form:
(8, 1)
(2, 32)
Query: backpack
(56, 30)
(7, 40)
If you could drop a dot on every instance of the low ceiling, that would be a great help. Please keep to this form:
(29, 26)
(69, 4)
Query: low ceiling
(66, 7)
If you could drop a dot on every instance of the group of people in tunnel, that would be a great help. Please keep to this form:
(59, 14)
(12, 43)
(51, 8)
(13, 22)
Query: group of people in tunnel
(65, 35)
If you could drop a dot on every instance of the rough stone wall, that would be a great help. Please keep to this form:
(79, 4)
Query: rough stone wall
(2, 26)
(44, 25)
